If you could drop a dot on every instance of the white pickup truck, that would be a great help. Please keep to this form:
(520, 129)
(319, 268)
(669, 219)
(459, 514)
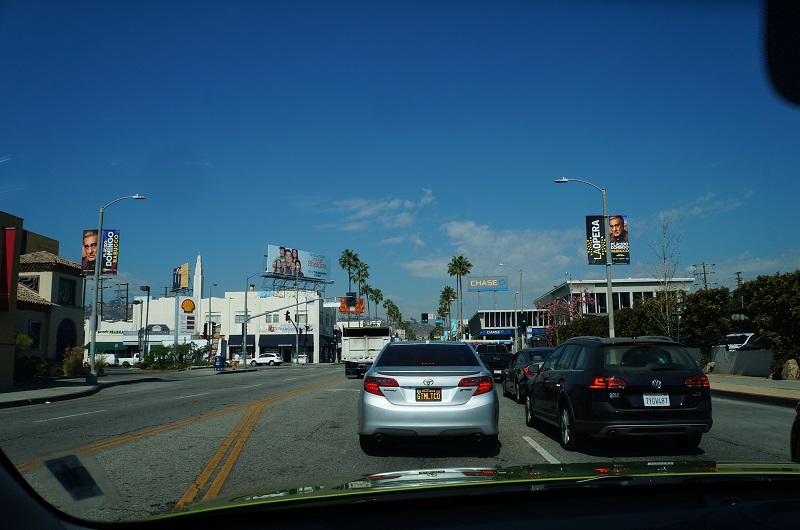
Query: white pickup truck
(360, 346)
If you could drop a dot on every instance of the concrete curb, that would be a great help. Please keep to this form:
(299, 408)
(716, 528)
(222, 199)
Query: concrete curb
(72, 395)
(761, 398)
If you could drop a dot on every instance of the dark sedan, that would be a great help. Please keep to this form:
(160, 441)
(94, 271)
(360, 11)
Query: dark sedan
(794, 436)
(515, 376)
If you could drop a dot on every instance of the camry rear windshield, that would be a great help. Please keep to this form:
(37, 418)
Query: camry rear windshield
(427, 355)
(648, 356)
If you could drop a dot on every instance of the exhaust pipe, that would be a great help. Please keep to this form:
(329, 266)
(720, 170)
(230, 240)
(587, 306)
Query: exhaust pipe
(479, 437)
(612, 433)
(379, 437)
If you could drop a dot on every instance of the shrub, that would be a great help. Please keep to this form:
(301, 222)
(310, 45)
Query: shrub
(28, 367)
(73, 361)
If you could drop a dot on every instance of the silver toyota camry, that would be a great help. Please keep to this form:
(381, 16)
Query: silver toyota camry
(427, 389)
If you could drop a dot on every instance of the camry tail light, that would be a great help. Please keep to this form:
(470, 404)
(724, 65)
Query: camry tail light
(484, 383)
(701, 381)
(605, 383)
(373, 384)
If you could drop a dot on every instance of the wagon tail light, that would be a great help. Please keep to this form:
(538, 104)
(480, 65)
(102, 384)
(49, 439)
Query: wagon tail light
(606, 383)
(484, 383)
(373, 384)
(529, 372)
(700, 382)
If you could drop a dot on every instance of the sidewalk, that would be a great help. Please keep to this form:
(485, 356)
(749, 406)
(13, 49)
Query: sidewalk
(783, 393)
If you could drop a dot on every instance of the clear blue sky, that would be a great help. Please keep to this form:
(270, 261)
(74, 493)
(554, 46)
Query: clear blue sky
(408, 132)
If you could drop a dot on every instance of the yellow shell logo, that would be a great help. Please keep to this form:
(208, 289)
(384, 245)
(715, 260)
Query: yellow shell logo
(188, 306)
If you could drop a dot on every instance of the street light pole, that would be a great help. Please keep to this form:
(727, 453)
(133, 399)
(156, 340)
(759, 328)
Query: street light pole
(610, 294)
(521, 296)
(210, 325)
(244, 324)
(92, 377)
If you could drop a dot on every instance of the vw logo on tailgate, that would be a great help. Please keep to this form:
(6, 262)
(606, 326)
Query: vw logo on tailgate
(427, 382)
(656, 384)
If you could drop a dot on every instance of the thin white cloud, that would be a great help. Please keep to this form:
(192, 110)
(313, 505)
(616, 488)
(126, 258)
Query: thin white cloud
(363, 213)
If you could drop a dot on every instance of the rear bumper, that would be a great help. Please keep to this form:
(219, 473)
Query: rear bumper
(612, 430)
(376, 415)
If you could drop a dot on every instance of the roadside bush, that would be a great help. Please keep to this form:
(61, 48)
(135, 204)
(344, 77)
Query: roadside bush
(28, 367)
(73, 361)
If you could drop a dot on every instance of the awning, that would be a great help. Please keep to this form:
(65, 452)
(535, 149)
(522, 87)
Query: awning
(236, 340)
(107, 346)
(276, 340)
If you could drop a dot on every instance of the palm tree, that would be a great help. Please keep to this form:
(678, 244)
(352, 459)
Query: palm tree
(445, 302)
(459, 267)
(377, 297)
(360, 275)
(367, 291)
(347, 261)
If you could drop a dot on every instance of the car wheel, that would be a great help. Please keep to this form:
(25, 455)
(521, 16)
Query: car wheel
(688, 443)
(530, 419)
(272, 363)
(518, 396)
(506, 393)
(253, 363)
(570, 440)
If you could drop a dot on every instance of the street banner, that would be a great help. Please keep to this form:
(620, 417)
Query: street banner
(89, 252)
(596, 240)
(110, 252)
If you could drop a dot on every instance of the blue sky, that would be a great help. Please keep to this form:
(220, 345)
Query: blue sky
(409, 132)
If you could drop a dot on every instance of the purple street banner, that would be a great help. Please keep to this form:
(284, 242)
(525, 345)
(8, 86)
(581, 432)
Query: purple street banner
(110, 252)
(596, 240)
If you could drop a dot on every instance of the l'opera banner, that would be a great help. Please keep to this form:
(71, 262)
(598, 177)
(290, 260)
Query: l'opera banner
(596, 240)
(110, 253)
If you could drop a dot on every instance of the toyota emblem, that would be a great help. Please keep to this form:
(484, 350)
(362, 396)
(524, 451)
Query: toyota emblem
(427, 382)
(656, 384)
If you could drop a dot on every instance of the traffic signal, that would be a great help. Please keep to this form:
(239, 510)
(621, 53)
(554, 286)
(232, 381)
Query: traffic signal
(205, 330)
(288, 316)
(335, 336)
(424, 318)
(351, 299)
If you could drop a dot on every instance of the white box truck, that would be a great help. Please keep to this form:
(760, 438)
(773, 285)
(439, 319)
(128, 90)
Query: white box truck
(360, 346)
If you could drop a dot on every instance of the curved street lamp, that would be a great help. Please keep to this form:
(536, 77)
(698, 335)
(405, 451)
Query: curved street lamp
(609, 295)
(92, 377)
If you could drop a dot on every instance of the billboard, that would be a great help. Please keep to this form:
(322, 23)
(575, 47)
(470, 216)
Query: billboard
(596, 239)
(289, 261)
(180, 277)
(488, 283)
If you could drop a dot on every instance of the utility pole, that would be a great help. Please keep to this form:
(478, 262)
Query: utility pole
(704, 274)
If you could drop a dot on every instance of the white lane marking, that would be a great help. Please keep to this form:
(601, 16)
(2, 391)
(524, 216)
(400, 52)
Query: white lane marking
(541, 450)
(70, 416)
(193, 395)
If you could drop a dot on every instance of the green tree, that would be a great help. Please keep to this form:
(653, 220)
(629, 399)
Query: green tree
(348, 261)
(360, 275)
(446, 299)
(773, 305)
(459, 267)
(367, 292)
(705, 319)
(377, 296)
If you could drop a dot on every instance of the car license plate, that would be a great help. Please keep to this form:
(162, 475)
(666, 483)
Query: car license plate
(656, 400)
(429, 394)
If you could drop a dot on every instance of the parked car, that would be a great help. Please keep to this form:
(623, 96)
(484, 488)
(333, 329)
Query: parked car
(427, 389)
(515, 376)
(495, 357)
(600, 387)
(271, 359)
(736, 341)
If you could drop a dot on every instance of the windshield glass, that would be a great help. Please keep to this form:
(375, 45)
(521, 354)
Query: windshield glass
(216, 214)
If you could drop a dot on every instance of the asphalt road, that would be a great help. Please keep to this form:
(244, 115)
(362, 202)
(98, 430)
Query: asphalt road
(152, 446)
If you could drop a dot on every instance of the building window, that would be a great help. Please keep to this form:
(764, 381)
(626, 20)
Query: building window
(34, 332)
(625, 299)
(31, 282)
(66, 291)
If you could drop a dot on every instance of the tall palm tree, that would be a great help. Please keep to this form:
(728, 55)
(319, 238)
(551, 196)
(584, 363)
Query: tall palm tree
(445, 302)
(459, 267)
(366, 289)
(347, 261)
(377, 297)
(360, 275)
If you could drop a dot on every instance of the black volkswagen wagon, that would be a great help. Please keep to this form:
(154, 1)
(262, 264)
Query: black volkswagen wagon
(605, 388)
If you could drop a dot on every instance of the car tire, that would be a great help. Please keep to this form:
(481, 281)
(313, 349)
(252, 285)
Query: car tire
(518, 396)
(506, 393)
(688, 443)
(569, 439)
(530, 418)
(272, 363)
(253, 363)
